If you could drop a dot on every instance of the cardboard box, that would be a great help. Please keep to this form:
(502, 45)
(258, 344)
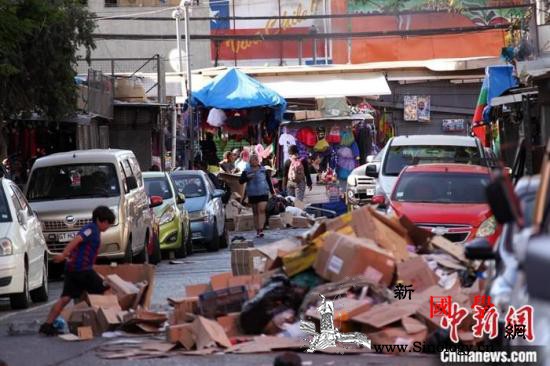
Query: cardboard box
(181, 333)
(368, 224)
(276, 222)
(213, 304)
(125, 291)
(188, 305)
(278, 249)
(241, 244)
(299, 260)
(107, 301)
(384, 314)
(345, 256)
(300, 222)
(247, 261)
(208, 333)
(133, 273)
(220, 280)
(244, 222)
(85, 333)
(196, 290)
(83, 317)
(232, 180)
(230, 324)
(108, 319)
(415, 272)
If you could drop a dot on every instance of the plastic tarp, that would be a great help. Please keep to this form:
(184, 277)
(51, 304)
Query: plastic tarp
(236, 90)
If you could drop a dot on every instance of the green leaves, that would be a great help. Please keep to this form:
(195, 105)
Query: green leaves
(39, 41)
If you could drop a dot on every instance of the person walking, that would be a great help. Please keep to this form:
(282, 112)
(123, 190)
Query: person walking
(80, 255)
(258, 187)
(296, 174)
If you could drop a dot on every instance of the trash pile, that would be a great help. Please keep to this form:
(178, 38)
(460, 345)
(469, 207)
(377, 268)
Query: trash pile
(355, 260)
(282, 213)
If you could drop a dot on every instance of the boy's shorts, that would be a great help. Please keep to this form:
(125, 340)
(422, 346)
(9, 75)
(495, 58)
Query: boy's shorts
(78, 282)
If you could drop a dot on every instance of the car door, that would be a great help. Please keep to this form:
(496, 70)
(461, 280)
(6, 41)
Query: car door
(132, 216)
(216, 205)
(26, 233)
(37, 244)
(144, 218)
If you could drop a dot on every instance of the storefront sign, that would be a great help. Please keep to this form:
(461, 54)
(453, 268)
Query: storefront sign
(453, 125)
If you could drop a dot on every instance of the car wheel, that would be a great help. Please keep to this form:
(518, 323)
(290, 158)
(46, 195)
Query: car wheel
(41, 294)
(22, 299)
(224, 239)
(214, 244)
(156, 256)
(181, 251)
(143, 256)
(189, 245)
(129, 254)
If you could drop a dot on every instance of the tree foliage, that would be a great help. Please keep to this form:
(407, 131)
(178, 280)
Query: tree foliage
(38, 44)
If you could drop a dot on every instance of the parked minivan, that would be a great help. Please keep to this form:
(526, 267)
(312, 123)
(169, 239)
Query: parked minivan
(64, 188)
(402, 151)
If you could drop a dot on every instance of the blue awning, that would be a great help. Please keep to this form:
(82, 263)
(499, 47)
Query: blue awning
(236, 90)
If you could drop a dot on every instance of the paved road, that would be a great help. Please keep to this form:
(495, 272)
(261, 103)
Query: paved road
(170, 281)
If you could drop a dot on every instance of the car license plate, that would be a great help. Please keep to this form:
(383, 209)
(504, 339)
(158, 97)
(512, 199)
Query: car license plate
(370, 192)
(66, 237)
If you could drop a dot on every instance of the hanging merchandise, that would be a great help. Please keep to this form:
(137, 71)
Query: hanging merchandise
(321, 146)
(345, 153)
(216, 117)
(307, 136)
(262, 152)
(236, 120)
(256, 115)
(355, 150)
(346, 137)
(334, 135)
(286, 140)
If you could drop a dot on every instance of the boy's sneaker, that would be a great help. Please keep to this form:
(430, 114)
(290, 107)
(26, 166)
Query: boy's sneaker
(48, 329)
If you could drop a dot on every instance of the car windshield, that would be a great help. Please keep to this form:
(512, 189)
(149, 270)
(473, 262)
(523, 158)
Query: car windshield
(73, 181)
(4, 208)
(402, 156)
(158, 187)
(191, 186)
(442, 188)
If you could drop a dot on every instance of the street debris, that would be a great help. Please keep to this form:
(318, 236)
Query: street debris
(379, 273)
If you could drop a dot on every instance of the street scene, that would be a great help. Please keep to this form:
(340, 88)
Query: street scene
(274, 182)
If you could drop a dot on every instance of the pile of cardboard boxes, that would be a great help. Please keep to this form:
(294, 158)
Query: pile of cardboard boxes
(358, 257)
(123, 306)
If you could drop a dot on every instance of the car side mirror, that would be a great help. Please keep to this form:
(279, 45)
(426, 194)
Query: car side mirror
(155, 201)
(371, 171)
(537, 260)
(131, 183)
(479, 249)
(370, 158)
(180, 198)
(500, 200)
(218, 193)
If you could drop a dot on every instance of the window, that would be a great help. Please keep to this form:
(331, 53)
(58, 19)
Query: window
(128, 169)
(22, 201)
(402, 156)
(73, 181)
(137, 171)
(442, 188)
(158, 187)
(191, 186)
(5, 215)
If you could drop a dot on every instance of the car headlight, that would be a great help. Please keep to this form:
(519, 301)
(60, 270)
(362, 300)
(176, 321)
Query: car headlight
(167, 216)
(6, 247)
(198, 215)
(352, 182)
(487, 228)
(115, 210)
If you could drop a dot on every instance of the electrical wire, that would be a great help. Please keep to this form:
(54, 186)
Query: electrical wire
(157, 11)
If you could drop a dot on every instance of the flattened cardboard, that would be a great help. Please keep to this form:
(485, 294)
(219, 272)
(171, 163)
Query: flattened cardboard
(208, 334)
(299, 260)
(345, 309)
(381, 315)
(196, 290)
(338, 222)
(396, 335)
(346, 256)
(108, 318)
(415, 272)
(184, 307)
(420, 237)
(273, 250)
(412, 325)
(454, 249)
(183, 334)
(300, 222)
(133, 273)
(69, 337)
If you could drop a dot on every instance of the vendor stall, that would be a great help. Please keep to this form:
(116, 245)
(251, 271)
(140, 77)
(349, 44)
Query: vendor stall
(235, 111)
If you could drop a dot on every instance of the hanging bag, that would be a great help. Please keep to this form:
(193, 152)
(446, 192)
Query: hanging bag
(334, 135)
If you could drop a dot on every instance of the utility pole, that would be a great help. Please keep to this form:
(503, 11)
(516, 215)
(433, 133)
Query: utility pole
(183, 11)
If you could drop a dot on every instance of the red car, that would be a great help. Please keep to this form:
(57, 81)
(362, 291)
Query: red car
(446, 199)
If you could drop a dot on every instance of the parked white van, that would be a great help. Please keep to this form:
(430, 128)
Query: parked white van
(65, 188)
